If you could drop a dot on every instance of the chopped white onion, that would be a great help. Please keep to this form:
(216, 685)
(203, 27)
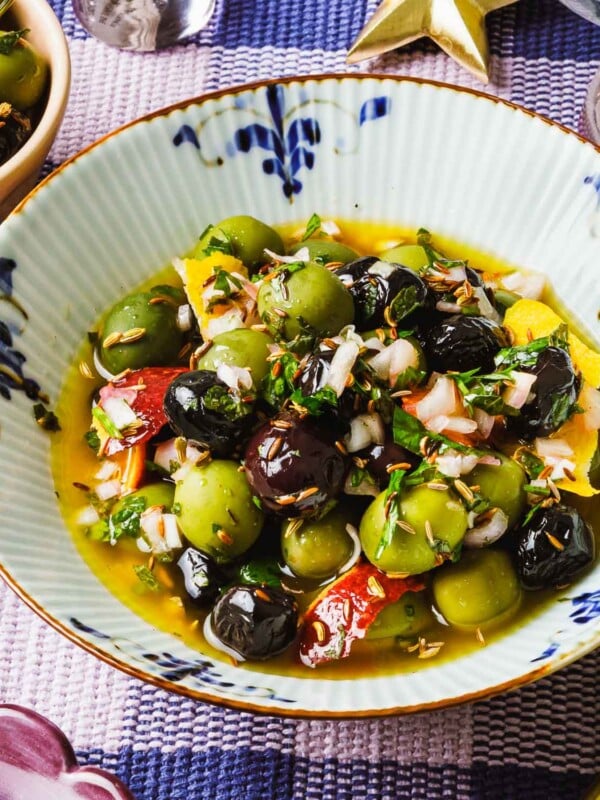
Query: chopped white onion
(301, 255)
(234, 377)
(486, 309)
(487, 532)
(185, 318)
(453, 464)
(365, 429)
(108, 489)
(171, 530)
(226, 322)
(182, 471)
(457, 424)
(527, 284)
(166, 454)
(152, 523)
(87, 516)
(490, 461)
(353, 534)
(330, 227)
(143, 545)
(589, 400)
(394, 359)
(214, 641)
(515, 395)
(553, 448)
(485, 422)
(560, 467)
(119, 412)
(441, 399)
(341, 366)
(382, 268)
(374, 343)
(452, 275)
(448, 308)
(107, 471)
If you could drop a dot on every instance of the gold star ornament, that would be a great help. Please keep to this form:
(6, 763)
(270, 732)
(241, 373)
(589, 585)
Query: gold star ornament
(457, 26)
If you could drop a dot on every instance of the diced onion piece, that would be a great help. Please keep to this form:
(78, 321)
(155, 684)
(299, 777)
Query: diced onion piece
(448, 308)
(485, 422)
(486, 309)
(487, 532)
(107, 470)
(457, 424)
(185, 318)
(301, 255)
(382, 268)
(341, 366)
(452, 275)
(490, 461)
(373, 343)
(394, 359)
(143, 545)
(560, 467)
(226, 322)
(453, 464)
(589, 400)
(214, 641)
(515, 395)
(166, 454)
(119, 411)
(365, 429)
(441, 399)
(108, 489)
(330, 227)
(353, 534)
(171, 530)
(528, 284)
(182, 471)
(234, 377)
(152, 523)
(87, 516)
(553, 448)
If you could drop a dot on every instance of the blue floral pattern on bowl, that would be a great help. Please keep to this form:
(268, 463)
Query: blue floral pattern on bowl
(585, 608)
(289, 137)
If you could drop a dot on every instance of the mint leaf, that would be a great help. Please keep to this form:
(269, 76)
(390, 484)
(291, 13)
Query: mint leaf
(312, 226)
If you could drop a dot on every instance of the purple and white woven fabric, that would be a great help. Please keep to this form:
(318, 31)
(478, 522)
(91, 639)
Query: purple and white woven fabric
(538, 742)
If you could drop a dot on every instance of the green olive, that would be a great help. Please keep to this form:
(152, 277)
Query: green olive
(439, 522)
(481, 588)
(241, 347)
(216, 510)
(503, 486)
(23, 74)
(313, 298)
(317, 548)
(150, 319)
(154, 494)
(325, 251)
(412, 256)
(407, 617)
(247, 238)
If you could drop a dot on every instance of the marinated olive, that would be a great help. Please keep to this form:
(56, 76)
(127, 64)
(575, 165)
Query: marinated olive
(141, 331)
(554, 393)
(207, 412)
(413, 256)
(325, 251)
(15, 129)
(379, 457)
(502, 485)
(553, 547)
(241, 347)
(217, 513)
(384, 292)
(313, 378)
(257, 622)
(242, 236)
(201, 575)
(434, 526)
(311, 299)
(23, 72)
(125, 515)
(294, 466)
(460, 343)
(317, 548)
(480, 589)
(406, 618)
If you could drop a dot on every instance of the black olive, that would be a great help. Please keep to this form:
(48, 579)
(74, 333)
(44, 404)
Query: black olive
(553, 547)
(554, 395)
(378, 285)
(379, 457)
(256, 621)
(201, 408)
(461, 343)
(294, 465)
(201, 575)
(313, 378)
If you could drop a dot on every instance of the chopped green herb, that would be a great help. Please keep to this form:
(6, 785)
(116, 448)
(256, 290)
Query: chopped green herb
(313, 226)
(261, 572)
(220, 399)
(146, 577)
(393, 515)
(404, 303)
(176, 509)
(9, 40)
(531, 463)
(127, 520)
(109, 426)
(257, 502)
(317, 403)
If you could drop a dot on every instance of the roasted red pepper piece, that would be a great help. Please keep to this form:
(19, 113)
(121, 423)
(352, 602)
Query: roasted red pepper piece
(146, 402)
(343, 612)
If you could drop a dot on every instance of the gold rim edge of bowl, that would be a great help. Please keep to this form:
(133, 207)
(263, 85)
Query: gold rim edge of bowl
(527, 678)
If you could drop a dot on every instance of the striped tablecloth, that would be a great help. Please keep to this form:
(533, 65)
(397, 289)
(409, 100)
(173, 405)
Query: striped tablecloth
(539, 742)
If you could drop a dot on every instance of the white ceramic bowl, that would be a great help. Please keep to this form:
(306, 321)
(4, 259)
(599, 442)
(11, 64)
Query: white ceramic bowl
(464, 165)
(19, 174)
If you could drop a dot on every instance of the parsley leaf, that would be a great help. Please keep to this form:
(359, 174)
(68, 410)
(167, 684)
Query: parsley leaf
(127, 520)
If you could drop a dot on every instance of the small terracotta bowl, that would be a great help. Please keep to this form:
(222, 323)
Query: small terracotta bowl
(19, 174)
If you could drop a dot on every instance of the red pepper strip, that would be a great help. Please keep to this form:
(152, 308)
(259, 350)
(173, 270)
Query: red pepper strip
(147, 404)
(343, 612)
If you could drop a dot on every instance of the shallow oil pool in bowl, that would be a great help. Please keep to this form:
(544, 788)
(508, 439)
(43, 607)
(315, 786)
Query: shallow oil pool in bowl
(499, 180)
